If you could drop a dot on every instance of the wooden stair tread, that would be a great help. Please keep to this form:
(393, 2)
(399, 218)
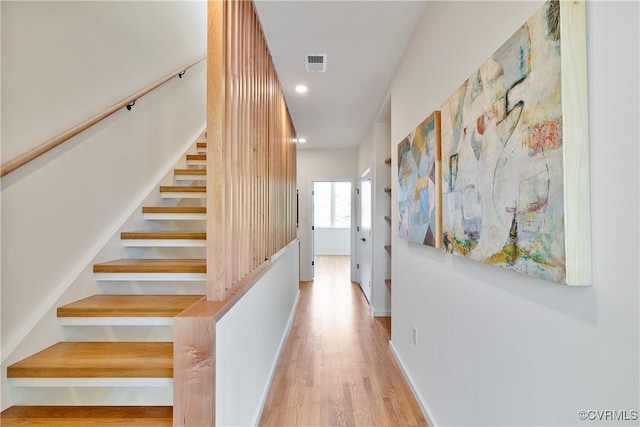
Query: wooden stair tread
(98, 360)
(163, 235)
(134, 416)
(128, 306)
(201, 145)
(183, 189)
(174, 209)
(190, 172)
(152, 266)
(196, 157)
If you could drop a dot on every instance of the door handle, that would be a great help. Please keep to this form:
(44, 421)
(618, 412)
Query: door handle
(363, 239)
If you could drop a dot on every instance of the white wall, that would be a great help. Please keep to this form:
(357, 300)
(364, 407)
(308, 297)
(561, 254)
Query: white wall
(64, 61)
(321, 165)
(1, 352)
(372, 153)
(381, 299)
(249, 339)
(496, 347)
(61, 63)
(332, 241)
(365, 153)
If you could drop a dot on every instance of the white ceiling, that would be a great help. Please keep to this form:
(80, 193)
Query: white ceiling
(363, 40)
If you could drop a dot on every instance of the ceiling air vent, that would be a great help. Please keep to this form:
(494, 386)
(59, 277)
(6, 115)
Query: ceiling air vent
(315, 62)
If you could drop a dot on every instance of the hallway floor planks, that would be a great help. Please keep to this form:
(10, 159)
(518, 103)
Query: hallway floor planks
(336, 368)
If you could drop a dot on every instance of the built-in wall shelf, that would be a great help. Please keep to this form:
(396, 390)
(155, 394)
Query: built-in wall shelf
(387, 218)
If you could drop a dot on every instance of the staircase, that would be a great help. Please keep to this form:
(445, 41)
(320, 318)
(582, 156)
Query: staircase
(136, 362)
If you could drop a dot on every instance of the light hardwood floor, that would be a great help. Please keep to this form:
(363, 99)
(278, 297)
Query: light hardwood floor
(337, 368)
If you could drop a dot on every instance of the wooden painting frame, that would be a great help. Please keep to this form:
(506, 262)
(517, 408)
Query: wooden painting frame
(419, 184)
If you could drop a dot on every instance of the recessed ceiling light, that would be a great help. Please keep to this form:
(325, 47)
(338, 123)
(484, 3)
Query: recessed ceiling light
(301, 140)
(301, 89)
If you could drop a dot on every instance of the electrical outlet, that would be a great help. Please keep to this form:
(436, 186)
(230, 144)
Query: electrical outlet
(415, 336)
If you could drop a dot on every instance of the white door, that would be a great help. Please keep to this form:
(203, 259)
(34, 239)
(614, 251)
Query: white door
(364, 237)
(314, 214)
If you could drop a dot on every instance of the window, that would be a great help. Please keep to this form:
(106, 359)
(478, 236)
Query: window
(332, 204)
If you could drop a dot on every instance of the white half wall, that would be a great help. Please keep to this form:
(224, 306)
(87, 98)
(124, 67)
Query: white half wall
(322, 165)
(249, 339)
(63, 62)
(332, 241)
(496, 347)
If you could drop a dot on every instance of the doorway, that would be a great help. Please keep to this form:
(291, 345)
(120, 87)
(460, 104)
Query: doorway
(365, 257)
(331, 229)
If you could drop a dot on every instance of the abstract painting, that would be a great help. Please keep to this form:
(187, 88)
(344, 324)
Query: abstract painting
(419, 191)
(504, 157)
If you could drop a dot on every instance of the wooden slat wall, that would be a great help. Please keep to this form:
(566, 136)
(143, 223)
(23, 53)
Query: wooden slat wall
(251, 193)
(263, 171)
(257, 186)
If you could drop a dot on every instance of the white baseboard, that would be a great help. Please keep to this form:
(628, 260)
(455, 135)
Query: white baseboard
(380, 313)
(421, 403)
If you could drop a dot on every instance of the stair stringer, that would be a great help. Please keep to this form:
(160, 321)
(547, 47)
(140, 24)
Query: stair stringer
(42, 328)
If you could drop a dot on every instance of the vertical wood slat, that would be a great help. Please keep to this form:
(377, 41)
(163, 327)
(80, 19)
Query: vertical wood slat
(260, 138)
(235, 108)
(238, 137)
(230, 157)
(245, 138)
(246, 141)
(260, 158)
(254, 143)
(215, 152)
(246, 231)
(241, 140)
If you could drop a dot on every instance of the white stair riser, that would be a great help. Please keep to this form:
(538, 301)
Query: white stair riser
(80, 332)
(116, 321)
(164, 243)
(175, 217)
(196, 162)
(182, 195)
(91, 382)
(154, 277)
(148, 394)
(182, 177)
(153, 288)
